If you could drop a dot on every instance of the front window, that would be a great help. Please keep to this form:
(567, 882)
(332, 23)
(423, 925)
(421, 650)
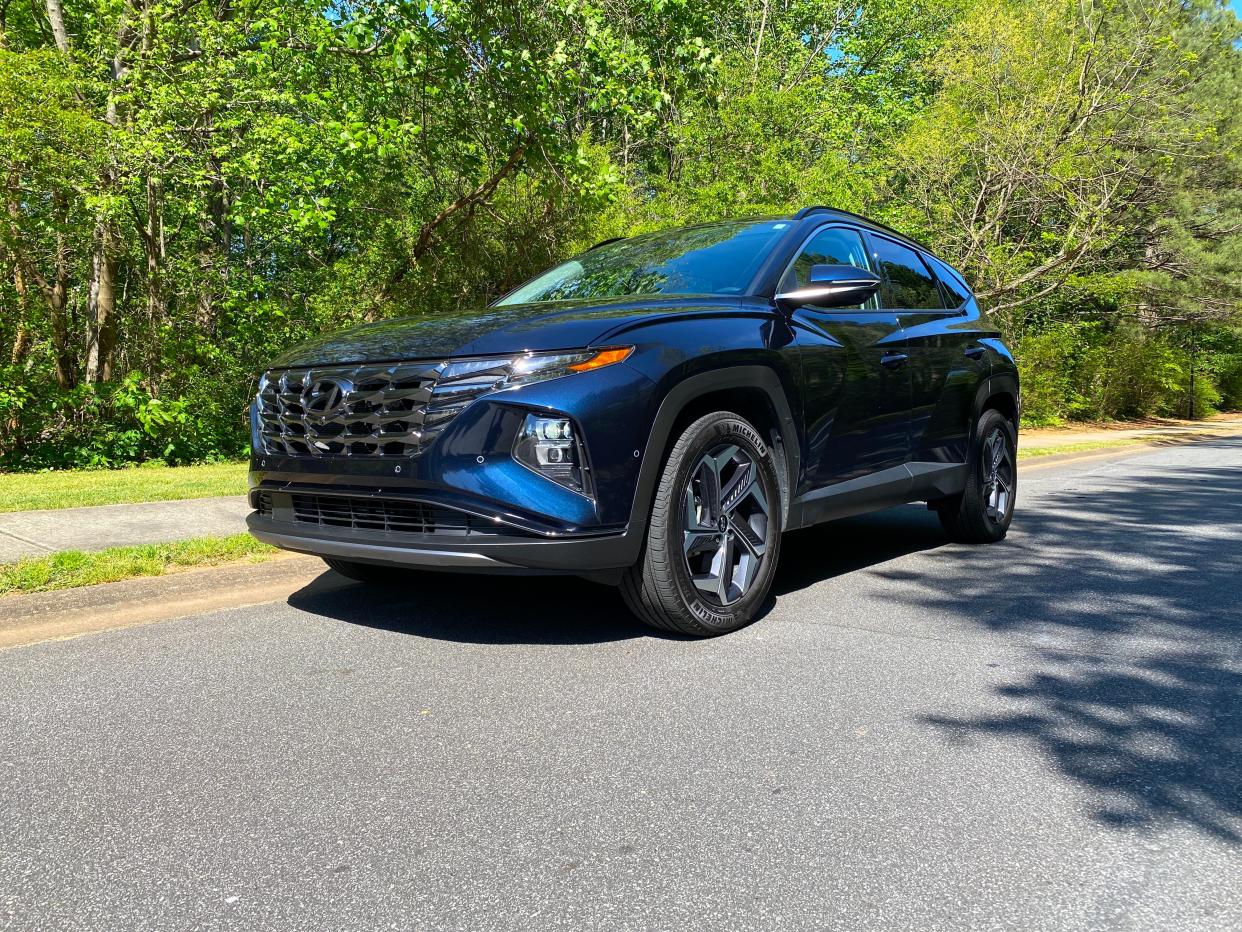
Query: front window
(714, 259)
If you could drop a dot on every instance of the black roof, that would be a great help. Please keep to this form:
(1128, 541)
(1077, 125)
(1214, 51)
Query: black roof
(806, 212)
(875, 224)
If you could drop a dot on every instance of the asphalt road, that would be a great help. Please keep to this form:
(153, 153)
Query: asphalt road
(1040, 734)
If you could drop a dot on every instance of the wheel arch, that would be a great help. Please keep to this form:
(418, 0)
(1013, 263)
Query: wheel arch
(754, 392)
(999, 393)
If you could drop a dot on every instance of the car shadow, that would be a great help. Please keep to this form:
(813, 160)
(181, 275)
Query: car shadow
(534, 610)
(851, 544)
(477, 609)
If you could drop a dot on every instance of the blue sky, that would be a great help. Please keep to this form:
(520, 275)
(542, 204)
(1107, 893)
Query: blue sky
(1237, 6)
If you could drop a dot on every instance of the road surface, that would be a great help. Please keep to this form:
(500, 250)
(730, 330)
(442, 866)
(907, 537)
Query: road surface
(1040, 734)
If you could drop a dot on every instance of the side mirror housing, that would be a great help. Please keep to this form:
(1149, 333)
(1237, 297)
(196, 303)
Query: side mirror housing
(832, 286)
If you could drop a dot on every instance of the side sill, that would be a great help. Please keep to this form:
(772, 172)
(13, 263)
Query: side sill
(909, 482)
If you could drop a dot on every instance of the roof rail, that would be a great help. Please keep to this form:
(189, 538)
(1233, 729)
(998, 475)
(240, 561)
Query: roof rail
(605, 242)
(818, 208)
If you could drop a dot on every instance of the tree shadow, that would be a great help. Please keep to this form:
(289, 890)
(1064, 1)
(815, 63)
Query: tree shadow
(1138, 582)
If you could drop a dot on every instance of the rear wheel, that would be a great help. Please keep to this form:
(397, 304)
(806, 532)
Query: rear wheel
(714, 536)
(983, 512)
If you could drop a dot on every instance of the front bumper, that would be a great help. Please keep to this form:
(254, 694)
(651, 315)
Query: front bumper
(353, 527)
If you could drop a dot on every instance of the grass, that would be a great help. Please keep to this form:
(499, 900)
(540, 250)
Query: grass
(76, 487)
(1028, 452)
(69, 569)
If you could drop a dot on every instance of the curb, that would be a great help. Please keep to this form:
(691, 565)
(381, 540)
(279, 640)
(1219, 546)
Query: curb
(70, 613)
(1141, 446)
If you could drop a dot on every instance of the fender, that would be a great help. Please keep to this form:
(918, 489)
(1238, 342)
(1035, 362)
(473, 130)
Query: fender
(999, 383)
(682, 394)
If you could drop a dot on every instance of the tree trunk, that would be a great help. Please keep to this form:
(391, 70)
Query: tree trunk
(56, 16)
(55, 294)
(153, 246)
(22, 340)
(101, 353)
(216, 232)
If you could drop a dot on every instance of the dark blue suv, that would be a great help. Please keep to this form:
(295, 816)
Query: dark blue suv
(653, 413)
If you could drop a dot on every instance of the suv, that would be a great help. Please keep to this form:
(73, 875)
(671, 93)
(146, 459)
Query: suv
(653, 413)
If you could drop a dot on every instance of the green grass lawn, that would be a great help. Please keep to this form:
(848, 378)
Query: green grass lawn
(1046, 450)
(71, 488)
(71, 568)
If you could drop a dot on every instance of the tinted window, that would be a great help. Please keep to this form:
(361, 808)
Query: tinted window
(832, 246)
(907, 281)
(950, 281)
(717, 258)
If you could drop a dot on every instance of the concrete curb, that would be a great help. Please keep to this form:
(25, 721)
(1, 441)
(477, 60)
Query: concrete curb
(69, 613)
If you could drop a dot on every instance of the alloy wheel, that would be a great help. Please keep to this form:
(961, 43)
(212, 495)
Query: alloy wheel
(998, 476)
(726, 523)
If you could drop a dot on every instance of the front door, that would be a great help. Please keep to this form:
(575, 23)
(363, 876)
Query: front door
(856, 384)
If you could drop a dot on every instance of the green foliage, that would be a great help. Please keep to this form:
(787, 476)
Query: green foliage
(243, 176)
(1093, 371)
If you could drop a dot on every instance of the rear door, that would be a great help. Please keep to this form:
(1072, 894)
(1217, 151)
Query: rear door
(856, 386)
(944, 363)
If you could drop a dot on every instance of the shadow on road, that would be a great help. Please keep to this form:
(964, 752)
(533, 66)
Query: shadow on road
(478, 609)
(566, 610)
(1128, 593)
(1137, 580)
(851, 544)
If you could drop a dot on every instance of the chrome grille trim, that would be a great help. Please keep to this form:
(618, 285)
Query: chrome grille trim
(369, 410)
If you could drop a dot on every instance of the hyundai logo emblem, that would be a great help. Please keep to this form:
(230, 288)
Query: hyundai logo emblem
(324, 397)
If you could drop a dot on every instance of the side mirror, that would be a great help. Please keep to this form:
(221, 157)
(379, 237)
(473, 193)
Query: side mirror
(832, 286)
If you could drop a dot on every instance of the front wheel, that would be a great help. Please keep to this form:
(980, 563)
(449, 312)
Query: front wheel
(714, 537)
(983, 512)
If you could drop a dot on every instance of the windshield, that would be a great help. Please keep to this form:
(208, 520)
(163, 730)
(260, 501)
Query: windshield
(718, 258)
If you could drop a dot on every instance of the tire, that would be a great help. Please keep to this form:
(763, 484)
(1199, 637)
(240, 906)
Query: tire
(366, 572)
(983, 512)
(713, 540)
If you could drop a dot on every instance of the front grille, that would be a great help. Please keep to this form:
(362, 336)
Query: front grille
(368, 410)
(364, 513)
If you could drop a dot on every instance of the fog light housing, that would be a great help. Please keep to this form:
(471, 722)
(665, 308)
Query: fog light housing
(551, 447)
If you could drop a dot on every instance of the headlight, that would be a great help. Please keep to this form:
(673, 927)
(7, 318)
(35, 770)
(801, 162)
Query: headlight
(494, 373)
(550, 446)
(539, 366)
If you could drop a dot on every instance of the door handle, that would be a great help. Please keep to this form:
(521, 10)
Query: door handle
(893, 359)
(975, 352)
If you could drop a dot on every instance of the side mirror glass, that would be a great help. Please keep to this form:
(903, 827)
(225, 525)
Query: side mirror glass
(832, 286)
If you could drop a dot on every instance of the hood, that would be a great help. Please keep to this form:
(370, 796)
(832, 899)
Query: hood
(494, 330)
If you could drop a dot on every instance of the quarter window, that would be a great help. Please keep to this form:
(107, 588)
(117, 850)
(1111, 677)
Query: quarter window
(907, 282)
(950, 281)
